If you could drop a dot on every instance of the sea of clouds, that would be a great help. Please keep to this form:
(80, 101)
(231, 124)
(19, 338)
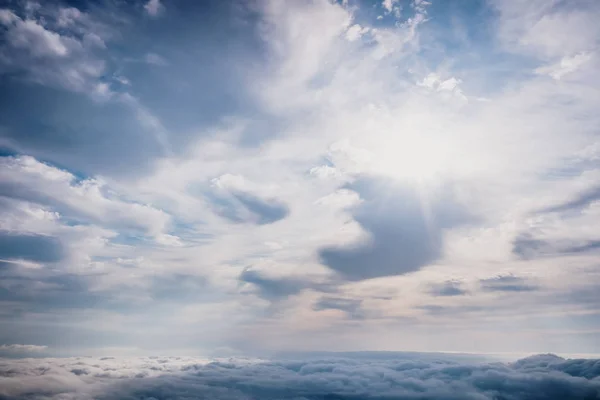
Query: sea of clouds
(326, 377)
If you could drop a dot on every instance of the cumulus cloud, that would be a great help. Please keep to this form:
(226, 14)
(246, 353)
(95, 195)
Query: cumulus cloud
(397, 376)
(53, 46)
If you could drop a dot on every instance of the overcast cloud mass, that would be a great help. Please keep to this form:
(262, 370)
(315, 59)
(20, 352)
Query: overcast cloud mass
(250, 178)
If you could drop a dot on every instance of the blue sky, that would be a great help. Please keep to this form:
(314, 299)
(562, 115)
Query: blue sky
(253, 177)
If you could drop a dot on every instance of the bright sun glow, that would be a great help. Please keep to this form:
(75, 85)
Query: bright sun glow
(414, 157)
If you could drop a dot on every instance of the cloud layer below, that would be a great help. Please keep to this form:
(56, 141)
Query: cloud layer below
(373, 376)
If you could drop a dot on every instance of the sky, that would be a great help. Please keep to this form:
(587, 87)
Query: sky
(258, 177)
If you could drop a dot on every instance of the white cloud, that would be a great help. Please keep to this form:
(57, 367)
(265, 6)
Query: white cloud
(154, 7)
(30, 35)
(434, 81)
(547, 28)
(89, 198)
(388, 5)
(68, 17)
(155, 59)
(53, 49)
(355, 32)
(565, 66)
(7, 17)
(298, 54)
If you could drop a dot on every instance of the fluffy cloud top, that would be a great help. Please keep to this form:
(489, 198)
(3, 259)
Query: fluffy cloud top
(392, 376)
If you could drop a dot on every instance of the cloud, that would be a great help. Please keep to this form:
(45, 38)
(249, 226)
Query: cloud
(352, 307)
(449, 288)
(581, 201)
(31, 288)
(507, 283)
(53, 46)
(405, 230)
(25, 178)
(155, 59)
(566, 66)
(543, 28)
(355, 32)
(388, 5)
(16, 349)
(324, 158)
(154, 8)
(235, 201)
(403, 376)
(528, 247)
(266, 211)
(272, 288)
(34, 38)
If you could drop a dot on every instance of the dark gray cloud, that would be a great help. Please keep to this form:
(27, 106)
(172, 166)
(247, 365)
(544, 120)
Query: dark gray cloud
(434, 309)
(41, 289)
(277, 288)
(406, 230)
(352, 307)
(581, 201)
(38, 248)
(403, 376)
(507, 283)
(266, 210)
(449, 288)
(589, 245)
(242, 207)
(527, 247)
(273, 288)
(586, 368)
